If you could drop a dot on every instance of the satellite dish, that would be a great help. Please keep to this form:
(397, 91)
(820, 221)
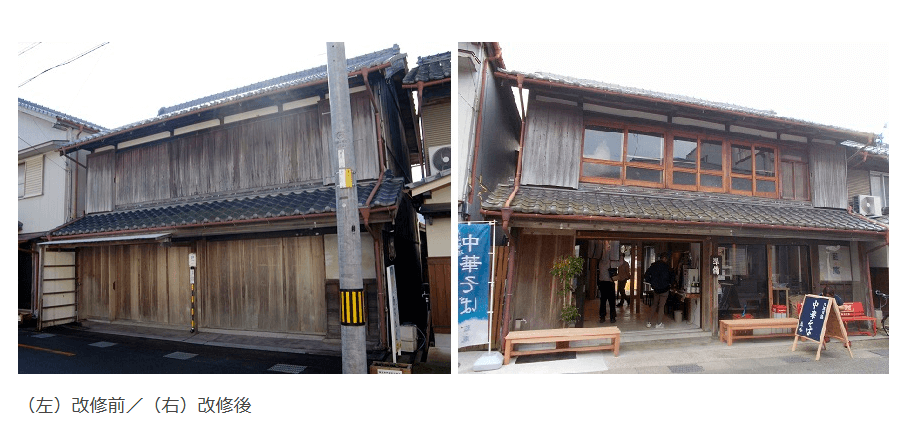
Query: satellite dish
(441, 159)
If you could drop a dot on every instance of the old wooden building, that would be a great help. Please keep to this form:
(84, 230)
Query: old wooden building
(219, 213)
(750, 206)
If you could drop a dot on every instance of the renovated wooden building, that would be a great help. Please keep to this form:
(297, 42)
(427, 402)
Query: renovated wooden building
(219, 213)
(751, 206)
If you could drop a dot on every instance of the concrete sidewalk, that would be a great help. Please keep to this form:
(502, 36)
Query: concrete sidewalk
(699, 355)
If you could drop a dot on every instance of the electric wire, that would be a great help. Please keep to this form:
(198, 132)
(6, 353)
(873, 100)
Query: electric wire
(65, 62)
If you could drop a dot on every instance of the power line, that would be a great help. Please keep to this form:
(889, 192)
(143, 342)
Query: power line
(29, 48)
(65, 62)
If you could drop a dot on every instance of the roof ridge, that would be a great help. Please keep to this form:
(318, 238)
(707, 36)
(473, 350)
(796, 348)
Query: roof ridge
(51, 112)
(274, 81)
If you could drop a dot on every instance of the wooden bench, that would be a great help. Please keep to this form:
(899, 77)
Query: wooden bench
(853, 312)
(728, 329)
(562, 338)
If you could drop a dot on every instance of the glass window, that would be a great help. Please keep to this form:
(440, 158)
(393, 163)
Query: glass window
(644, 147)
(644, 175)
(710, 181)
(879, 186)
(744, 287)
(682, 178)
(684, 152)
(791, 270)
(21, 180)
(602, 171)
(765, 162)
(603, 143)
(711, 155)
(741, 162)
(741, 184)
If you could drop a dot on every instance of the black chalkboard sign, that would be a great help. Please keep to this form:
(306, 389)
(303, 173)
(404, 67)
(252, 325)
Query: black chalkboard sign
(813, 314)
(820, 318)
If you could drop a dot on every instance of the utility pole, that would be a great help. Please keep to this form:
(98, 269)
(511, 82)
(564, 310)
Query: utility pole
(342, 155)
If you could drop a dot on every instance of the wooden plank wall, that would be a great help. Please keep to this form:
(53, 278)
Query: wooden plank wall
(278, 150)
(273, 284)
(828, 168)
(364, 135)
(552, 145)
(535, 297)
(141, 283)
(439, 273)
(100, 182)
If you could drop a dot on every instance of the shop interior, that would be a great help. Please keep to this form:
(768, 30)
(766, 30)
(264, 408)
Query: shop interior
(683, 308)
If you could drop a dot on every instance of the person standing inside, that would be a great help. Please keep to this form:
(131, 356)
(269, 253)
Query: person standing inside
(660, 277)
(624, 274)
(606, 290)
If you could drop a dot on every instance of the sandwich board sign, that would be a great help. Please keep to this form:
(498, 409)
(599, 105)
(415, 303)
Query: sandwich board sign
(820, 317)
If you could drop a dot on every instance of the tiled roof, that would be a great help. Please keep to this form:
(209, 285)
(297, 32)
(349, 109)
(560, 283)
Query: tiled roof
(390, 55)
(876, 149)
(50, 112)
(642, 203)
(673, 98)
(430, 68)
(305, 201)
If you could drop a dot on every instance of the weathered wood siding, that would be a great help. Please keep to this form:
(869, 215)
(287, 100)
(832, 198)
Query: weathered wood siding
(363, 133)
(858, 183)
(142, 283)
(273, 284)
(828, 169)
(552, 145)
(536, 298)
(100, 182)
(438, 271)
(279, 150)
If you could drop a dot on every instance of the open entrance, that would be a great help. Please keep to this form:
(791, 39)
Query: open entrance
(682, 309)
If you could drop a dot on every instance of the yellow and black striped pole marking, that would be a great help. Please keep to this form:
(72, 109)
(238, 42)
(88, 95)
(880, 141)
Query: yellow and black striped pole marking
(351, 307)
(192, 300)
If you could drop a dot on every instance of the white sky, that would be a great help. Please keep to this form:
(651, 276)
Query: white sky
(844, 85)
(128, 81)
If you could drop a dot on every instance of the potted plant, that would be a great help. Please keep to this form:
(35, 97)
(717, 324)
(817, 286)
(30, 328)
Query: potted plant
(565, 269)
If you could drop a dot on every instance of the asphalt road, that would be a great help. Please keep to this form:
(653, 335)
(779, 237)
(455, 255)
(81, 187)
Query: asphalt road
(60, 350)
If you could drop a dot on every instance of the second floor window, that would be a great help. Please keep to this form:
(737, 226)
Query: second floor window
(614, 155)
(635, 155)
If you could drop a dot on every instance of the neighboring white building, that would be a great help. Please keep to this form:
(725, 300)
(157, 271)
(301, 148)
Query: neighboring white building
(48, 194)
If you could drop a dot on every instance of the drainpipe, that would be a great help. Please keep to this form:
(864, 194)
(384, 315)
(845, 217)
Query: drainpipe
(483, 82)
(506, 218)
(420, 119)
(365, 214)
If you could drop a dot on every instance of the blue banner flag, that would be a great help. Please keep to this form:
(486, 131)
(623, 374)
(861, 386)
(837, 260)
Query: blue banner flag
(474, 267)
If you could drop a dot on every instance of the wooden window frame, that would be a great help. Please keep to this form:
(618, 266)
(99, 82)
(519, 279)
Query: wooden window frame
(805, 162)
(696, 171)
(753, 176)
(624, 164)
(668, 168)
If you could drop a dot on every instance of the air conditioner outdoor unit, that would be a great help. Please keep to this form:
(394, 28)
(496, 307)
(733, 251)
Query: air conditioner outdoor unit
(440, 158)
(869, 205)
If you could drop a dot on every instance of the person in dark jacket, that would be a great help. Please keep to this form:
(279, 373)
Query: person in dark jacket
(606, 290)
(660, 277)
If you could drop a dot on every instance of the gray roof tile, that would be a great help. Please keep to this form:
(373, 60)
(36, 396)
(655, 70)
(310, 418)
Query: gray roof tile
(390, 55)
(430, 68)
(50, 112)
(663, 204)
(301, 201)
